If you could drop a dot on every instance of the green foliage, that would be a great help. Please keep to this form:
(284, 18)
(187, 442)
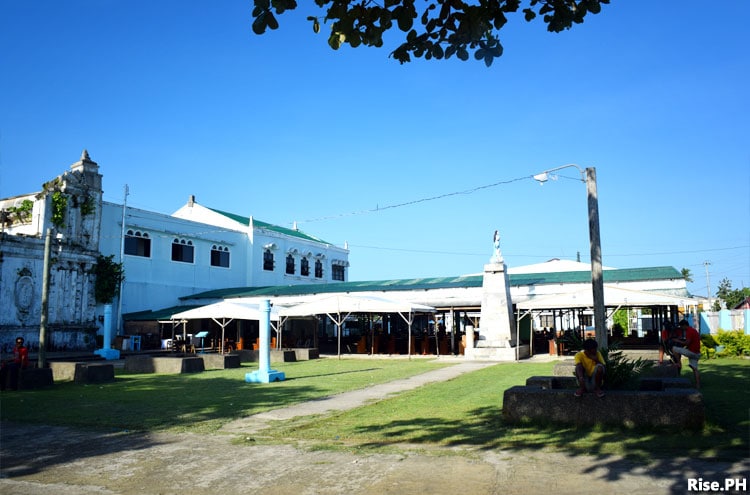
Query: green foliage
(444, 27)
(707, 340)
(87, 206)
(735, 342)
(22, 213)
(109, 276)
(622, 373)
(620, 322)
(59, 208)
(687, 275)
(731, 297)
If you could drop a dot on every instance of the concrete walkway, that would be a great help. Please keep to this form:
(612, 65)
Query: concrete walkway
(353, 399)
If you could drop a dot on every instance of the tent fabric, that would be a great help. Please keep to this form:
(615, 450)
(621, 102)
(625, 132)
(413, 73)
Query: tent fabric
(225, 309)
(223, 312)
(613, 296)
(345, 303)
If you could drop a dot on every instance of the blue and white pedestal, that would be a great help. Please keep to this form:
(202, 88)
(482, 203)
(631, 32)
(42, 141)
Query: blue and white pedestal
(264, 374)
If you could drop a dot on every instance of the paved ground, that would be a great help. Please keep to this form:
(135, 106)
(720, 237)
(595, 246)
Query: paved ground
(45, 459)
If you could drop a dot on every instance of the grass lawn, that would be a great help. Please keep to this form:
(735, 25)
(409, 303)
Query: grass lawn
(466, 411)
(197, 402)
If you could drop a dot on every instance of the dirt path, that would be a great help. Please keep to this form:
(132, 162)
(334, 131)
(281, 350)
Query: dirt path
(61, 461)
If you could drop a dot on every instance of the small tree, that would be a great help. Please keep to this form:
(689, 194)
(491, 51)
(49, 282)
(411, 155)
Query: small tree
(731, 297)
(109, 276)
(687, 275)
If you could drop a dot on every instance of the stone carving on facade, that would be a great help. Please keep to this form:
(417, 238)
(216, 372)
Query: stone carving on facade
(24, 294)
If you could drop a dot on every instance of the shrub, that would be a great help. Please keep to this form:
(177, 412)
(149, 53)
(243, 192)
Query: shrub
(735, 342)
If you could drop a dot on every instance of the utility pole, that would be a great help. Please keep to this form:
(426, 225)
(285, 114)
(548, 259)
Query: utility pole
(42, 356)
(118, 330)
(708, 285)
(597, 280)
(588, 176)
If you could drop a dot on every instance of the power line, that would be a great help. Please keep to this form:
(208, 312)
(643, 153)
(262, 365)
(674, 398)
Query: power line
(417, 201)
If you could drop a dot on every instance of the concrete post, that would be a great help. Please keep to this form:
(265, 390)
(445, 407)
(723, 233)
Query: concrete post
(42, 356)
(106, 351)
(264, 374)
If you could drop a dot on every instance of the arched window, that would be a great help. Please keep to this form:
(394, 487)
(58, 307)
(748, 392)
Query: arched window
(182, 251)
(304, 267)
(268, 260)
(137, 243)
(290, 264)
(220, 256)
(318, 269)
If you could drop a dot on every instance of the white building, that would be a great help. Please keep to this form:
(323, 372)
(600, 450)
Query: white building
(164, 257)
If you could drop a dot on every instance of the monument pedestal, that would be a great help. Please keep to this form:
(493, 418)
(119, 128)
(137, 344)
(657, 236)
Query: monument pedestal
(497, 332)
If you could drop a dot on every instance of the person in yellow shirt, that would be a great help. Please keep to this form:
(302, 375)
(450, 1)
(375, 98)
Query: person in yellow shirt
(590, 369)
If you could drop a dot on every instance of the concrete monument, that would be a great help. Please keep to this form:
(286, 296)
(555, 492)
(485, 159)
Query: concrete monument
(497, 330)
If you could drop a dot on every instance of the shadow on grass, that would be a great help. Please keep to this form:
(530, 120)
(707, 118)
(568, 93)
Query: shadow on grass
(339, 373)
(66, 422)
(669, 457)
(69, 422)
(26, 450)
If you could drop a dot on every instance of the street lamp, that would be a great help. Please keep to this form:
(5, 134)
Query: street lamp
(588, 176)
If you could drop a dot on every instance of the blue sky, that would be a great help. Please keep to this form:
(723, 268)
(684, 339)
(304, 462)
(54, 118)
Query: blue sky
(180, 97)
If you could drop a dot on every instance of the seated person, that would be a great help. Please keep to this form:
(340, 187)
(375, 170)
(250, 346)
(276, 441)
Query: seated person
(589, 369)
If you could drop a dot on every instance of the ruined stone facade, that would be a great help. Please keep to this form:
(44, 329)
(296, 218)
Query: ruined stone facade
(69, 207)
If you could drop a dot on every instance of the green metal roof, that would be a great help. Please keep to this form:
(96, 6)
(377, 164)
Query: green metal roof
(609, 276)
(264, 225)
(520, 279)
(159, 314)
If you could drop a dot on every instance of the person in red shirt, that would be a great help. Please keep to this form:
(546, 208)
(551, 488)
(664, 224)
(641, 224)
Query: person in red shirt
(9, 372)
(687, 343)
(669, 331)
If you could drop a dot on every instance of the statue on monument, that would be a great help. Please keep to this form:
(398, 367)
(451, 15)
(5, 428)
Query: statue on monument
(496, 256)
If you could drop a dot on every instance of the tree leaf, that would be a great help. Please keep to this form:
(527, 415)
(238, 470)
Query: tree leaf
(271, 21)
(259, 24)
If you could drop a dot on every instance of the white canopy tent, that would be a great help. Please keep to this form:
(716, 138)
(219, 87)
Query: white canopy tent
(223, 312)
(338, 307)
(613, 297)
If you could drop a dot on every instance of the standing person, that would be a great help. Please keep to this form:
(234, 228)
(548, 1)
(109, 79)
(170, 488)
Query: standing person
(10, 370)
(590, 369)
(688, 343)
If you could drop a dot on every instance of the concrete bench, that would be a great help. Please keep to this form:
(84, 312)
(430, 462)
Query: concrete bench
(220, 361)
(82, 372)
(32, 378)
(567, 368)
(305, 354)
(662, 402)
(277, 356)
(149, 364)
(571, 383)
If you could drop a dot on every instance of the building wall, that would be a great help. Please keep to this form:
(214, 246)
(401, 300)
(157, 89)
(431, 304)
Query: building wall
(83, 227)
(158, 281)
